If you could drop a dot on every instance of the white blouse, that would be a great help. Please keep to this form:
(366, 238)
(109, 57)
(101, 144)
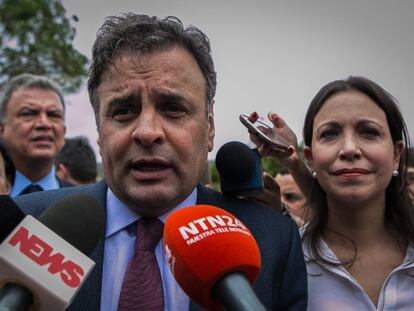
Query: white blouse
(333, 288)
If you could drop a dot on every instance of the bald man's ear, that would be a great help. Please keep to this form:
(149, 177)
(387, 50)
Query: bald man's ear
(62, 172)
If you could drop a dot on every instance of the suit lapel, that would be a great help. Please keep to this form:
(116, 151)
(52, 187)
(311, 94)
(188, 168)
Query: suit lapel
(63, 184)
(208, 196)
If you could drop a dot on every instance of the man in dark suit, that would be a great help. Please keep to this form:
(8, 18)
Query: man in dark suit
(32, 125)
(152, 84)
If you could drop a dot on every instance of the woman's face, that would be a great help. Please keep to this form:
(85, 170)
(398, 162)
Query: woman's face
(352, 151)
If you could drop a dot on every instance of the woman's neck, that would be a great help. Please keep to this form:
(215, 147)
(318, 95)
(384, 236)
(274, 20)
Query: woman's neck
(362, 222)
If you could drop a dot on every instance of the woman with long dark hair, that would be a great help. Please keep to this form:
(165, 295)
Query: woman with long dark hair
(358, 244)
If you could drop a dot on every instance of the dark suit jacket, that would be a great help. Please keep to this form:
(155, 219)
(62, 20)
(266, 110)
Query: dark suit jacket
(282, 283)
(64, 184)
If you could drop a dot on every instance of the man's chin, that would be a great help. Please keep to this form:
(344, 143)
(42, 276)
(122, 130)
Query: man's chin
(152, 203)
(151, 208)
(42, 155)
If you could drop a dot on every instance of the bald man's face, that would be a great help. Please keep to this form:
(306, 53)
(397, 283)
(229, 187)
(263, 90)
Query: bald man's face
(291, 195)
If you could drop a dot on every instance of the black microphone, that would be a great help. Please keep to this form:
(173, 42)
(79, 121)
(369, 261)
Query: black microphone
(240, 169)
(78, 219)
(43, 264)
(10, 216)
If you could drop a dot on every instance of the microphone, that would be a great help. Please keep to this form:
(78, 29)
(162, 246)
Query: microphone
(213, 257)
(44, 262)
(240, 169)
(11, 216)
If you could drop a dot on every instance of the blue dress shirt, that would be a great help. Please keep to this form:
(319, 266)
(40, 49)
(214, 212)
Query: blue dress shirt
(48, 182)
(120, 235)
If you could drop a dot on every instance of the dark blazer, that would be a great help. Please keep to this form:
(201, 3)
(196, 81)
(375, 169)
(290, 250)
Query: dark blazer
(282, 283)
(64, 184)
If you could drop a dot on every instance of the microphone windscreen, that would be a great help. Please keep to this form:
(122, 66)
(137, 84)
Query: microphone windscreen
(79, 219)
(204, 243)
(10, 216)
(235, 162)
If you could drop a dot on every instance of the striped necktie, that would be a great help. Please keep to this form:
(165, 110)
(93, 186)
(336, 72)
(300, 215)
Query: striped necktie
(142, 285)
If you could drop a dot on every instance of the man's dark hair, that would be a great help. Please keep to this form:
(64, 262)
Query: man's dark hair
(79, 158)
(8, 163)
(136, 34)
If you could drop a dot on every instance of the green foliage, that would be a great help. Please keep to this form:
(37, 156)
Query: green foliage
(36, 37)
(271, 165)
(215, 176)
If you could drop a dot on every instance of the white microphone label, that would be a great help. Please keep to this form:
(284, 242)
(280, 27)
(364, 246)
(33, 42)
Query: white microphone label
(51, 268)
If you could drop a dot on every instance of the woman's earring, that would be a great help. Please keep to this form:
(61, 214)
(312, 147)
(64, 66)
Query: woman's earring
(314, 174)
(395, 173)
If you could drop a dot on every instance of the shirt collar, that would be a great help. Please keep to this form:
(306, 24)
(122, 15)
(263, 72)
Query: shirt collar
(120, 216)
(47, 183)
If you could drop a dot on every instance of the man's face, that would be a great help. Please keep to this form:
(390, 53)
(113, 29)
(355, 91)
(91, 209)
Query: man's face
(291, 195)
(154, 135)
(33, 128)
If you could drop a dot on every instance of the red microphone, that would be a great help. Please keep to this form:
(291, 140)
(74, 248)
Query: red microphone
(213, 257)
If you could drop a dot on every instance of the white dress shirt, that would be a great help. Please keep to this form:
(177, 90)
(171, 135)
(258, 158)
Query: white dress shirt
(120, 236)
(48, 182)
(333, 288)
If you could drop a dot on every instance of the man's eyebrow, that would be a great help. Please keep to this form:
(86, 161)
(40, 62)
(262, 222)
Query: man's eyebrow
(165, 95)
(55, 110)
(29, 107)
(123, 99)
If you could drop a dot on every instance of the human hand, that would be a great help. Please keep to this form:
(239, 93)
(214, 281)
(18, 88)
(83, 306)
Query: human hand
(281, 129)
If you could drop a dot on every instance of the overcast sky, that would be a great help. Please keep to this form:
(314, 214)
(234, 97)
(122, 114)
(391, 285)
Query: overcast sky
(274, 55)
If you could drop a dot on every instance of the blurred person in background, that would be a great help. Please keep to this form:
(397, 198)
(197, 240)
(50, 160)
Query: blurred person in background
(291, 196)
(32, 126)
(76, 162)
(7, 170)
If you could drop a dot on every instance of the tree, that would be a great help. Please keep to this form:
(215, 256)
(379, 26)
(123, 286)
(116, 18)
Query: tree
(271, 165)
(36, 37)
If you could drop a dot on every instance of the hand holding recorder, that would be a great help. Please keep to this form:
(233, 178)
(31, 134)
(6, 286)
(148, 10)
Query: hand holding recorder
(278, 141)
(264, 133)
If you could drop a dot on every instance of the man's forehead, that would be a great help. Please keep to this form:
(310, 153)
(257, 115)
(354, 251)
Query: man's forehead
(172, 67)
(37, 94)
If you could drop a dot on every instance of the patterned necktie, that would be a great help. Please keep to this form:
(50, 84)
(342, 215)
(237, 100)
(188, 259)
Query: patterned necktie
(142, 286)
(31, 188)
